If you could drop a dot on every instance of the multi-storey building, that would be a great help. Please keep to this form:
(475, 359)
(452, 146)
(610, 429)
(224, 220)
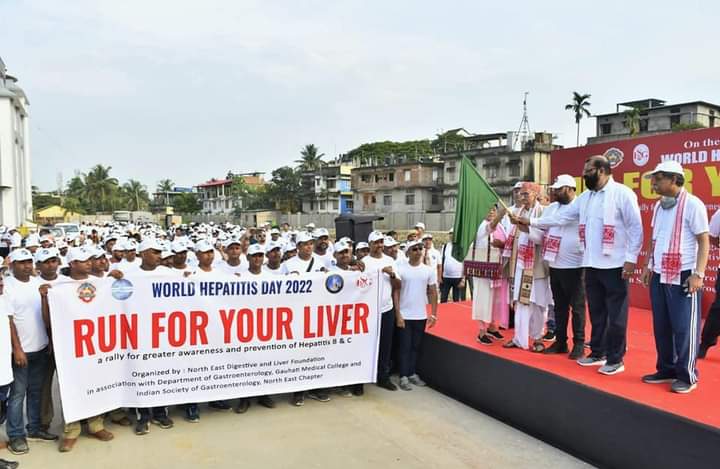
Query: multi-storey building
(328, 190)
(216, 195)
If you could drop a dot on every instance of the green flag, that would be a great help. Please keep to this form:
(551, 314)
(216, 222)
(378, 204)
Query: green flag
(475, 198)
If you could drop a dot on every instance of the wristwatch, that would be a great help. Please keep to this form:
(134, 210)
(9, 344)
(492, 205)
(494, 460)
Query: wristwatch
(699, 275)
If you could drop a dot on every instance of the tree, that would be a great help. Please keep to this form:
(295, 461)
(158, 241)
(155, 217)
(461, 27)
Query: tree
(449, 141)
(100, 188)
(380, 153)
(136, 195)
(579, 106)
(310, 159)
(632, 121)
(688, 126)
(165, 186)
(285, 188)
(187, 202)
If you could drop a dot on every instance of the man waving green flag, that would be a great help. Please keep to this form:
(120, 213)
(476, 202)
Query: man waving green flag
(474, 200)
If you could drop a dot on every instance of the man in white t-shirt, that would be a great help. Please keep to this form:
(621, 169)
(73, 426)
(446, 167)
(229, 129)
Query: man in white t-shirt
(418, 284)
(6, 372)
(389, 282)
(323, 250)
(711, 329)
(306, 260)
(451, 273)
(30, 353)
(273, 254)
(677, 256)
(236, 263)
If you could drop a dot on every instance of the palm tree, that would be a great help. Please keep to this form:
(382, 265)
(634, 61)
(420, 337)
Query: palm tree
(99, 185)
(164, 187)
(311, 160)
(632, 121)
(136, 194)
(579, 106)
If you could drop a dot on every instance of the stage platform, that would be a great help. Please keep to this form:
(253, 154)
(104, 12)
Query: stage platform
(609, 421)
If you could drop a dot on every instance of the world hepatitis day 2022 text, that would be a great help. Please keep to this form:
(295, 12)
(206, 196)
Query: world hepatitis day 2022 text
(118, 331)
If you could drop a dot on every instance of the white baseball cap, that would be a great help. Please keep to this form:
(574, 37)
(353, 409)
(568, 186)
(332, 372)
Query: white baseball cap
(166, 254)
(41, 255)
(420, 225)
(320, 232)
(375, 236)
(564, 180)
(255, 249)
(230, 241)
(310, 225)
(150, 243)
(178, 246)
(272, 245)
(341, 246)
(303, 237)
(390, 242)
(203, 246)
(274, 231)
(410, 244)
(518, 185)
(19, 255)
(362, 245)
(427, 236)
(80, 254)
(289, 247)
(670, 166)
(98, 252)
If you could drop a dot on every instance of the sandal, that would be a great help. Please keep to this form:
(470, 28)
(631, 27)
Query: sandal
(538, 347)
(510, 344)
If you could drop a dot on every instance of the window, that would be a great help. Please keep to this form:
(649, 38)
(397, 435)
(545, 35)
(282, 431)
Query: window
(674, 120)
(349, 205)
(410, 198)
(387, 200)
(334, 204)
(391, 177)
(373, 199)
(331, 184)
(643, 125)
(491, 171)
(434, 174)
(514, 169)
(605, 128)
(365, 178)
(377, 178)
(434, 199)
(407, 175)
(450, 169)
(675, 110)
(312, 205)
(711, 119)
(322, 205)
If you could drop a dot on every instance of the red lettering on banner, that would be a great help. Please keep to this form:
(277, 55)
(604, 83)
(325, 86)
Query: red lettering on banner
(226, 317)
(263, 324)
(84, 329)
(332, 320)
(361, 317)
(91, 338)
(198, 323)
(157, 328)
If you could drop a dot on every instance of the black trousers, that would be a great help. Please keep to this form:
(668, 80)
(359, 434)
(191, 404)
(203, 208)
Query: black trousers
(451, 283)
(711, 329)
(568, 289)
(607, 298)
(410, 340)
(387, 330)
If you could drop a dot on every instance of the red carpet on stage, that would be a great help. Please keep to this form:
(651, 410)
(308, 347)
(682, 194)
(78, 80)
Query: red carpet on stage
(455, 325)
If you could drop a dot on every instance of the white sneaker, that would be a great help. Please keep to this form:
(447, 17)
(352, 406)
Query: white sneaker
(404, 384)
(415, 379)
(610, 370)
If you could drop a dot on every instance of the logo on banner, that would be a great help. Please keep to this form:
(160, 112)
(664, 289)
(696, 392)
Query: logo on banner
(334, 283)
(86, 292)
(363, 282)
(641, 154)
(615, 156)
(122, 289)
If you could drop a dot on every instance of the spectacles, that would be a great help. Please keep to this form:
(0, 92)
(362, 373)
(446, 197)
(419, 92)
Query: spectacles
(417, 248)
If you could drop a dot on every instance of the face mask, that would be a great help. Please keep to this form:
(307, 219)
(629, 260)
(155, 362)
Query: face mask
(667, 202)
(591, 180)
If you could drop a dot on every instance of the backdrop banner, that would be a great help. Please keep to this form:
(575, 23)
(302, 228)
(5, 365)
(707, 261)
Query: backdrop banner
(699, 153)
(160, 339)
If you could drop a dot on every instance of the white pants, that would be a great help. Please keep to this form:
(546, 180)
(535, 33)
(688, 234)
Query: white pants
(529, 323)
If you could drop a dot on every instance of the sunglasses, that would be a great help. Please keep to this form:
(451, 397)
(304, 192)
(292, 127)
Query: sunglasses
(416, 248)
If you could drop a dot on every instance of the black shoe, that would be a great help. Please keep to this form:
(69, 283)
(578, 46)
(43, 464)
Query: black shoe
(219, 405)
(358, 390)
(18, 446)
(192, 414)
(557, 347)
(298, 399)
(163, 422)
(142, 427)
(243, 405)
(485, 340)
(266, 401)
(319, 395)
(41, 435)
(387, 384)
(657, 378)
(577, 352)
(5, 464)
(702, 352)
(496, 334)
(549, 335)
(681, 387)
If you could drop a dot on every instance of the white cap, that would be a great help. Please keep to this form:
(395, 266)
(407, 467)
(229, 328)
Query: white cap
(289, 247)
(130, 245)
(341, 246)
(670, 166)
(303, 237)
(43, 254)
(19, 255)
(321, 232)
(80, 254)
(32, 241)
(178, 246)
(226, 244)
(410, 244)
(166, 254)
(347, 240)
(426, 236)
(518, 185)
(255, 249)
(564, 180)
(47, 238)
(451, 230)
(274, 231)
(98, 252)
(390, 242)
(361, 245)
(203, 246)
(310, 225)
(420, 225)
(273, 245)
(150, 243)
(61, 244)
(375, 236)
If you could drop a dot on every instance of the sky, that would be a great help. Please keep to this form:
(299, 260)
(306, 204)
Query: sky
(189, 90)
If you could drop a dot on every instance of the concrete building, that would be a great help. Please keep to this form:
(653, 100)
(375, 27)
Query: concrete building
(15, 171)
(216, 195)
(404, 186)
(656, 117)
(328, 190)
(501, 161)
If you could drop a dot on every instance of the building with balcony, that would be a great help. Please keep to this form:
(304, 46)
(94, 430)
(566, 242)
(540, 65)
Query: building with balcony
(15, 171)
(328, 190)
(502, 160)
(398, 186)
(656, 117)
(216, 195)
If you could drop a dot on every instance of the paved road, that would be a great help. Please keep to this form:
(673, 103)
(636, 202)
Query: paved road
(416, 429)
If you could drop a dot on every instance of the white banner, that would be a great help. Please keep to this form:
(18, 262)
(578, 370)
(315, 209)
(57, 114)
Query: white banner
(157, 340)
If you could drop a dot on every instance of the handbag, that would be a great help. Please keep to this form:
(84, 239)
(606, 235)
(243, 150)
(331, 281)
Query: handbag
(482, 269)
